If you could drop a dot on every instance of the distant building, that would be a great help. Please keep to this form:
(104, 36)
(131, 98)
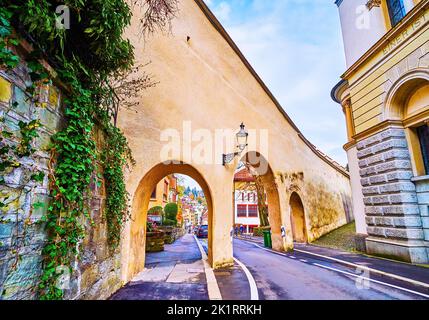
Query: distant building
(204, 218)
(245, 201)
(164, 192)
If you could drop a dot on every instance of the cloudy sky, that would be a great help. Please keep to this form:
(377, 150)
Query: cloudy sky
(296, 48)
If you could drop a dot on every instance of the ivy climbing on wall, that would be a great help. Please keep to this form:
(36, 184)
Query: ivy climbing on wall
(91, 60)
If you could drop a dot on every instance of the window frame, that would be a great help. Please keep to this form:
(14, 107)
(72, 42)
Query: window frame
(394, 20)
(256, 210)
(241, 206)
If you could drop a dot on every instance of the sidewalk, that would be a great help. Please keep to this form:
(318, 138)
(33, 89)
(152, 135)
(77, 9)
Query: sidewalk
(178, 273)
(400, 269)
(174, 274)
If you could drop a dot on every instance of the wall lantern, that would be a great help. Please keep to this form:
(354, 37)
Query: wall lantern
(241, 145)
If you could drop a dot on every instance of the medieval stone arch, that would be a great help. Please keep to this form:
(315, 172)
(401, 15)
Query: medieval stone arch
(298, 220)
(259, 166)
(133, 260)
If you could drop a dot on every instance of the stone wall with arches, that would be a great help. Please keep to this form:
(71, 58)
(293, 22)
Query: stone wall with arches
(206, 89)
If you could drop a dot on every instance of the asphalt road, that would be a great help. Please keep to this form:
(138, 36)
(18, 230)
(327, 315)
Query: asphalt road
(297, 276)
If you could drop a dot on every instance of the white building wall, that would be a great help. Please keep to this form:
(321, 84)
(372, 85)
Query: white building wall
(239, 201)
(361, 28)
(357, 196)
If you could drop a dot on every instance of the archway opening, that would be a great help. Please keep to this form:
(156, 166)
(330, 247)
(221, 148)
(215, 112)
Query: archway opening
(299, 229)
(256, 204)
(170, 202)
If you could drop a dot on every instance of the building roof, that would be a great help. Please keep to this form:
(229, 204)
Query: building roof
(243, 176)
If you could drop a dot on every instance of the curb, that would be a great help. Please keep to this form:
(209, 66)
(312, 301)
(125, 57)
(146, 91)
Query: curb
(212, 286)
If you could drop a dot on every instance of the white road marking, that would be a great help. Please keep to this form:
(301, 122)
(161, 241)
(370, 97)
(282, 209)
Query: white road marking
(303, 260)
(364, 268)
(254, 295)
(212, 285)
(394, 276)
(372, 280)
(293, 257)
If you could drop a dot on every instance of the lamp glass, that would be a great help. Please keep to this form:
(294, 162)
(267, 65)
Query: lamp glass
(242, 138)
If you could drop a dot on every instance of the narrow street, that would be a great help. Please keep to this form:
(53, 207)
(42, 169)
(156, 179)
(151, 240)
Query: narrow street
(178, 274)
(297, 276)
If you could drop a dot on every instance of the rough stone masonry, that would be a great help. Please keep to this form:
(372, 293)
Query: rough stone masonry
(22, 236)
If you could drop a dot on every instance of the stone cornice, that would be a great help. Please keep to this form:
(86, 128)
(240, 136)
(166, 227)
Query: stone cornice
(349, 145)
(377, 128)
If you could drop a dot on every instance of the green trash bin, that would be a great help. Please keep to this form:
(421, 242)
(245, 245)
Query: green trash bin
(267, 238)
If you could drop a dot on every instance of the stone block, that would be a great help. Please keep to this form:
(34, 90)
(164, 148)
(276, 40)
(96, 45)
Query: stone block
(364, 153)
(23, 102)
(383, 221)
(5, 90)
(364, 182)
(373, 140)
(374, 210)
(370, 191)
(401, 210)
(425, 222)
(423, 198)
(376, 231)
(396, 250)
(421, 185)
(49, 119)
(380, 200)
(426, 232)
(362, 163)
(370, 221)
(424, 210)
(54, 97)
(6, 230)
(396, 154)
(409, 222)
(367, 171)
(390, 144)
(377, 179)
(361, 145)
(398, 187)
(393, 165)
(403, 198)
(392, 133)
(375, 159)
(404, 233)
(89, 277)
(399, 175)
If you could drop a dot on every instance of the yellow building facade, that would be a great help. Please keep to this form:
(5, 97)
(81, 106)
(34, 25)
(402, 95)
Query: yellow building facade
(384, 95)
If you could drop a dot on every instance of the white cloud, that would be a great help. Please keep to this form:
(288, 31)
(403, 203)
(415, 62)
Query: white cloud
(296, 48)
(222, 11)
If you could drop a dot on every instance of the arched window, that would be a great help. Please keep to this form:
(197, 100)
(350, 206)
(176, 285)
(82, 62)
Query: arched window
(396, 10)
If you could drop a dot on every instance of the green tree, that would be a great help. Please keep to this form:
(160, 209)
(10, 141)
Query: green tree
(170, 211)
(155, 211)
